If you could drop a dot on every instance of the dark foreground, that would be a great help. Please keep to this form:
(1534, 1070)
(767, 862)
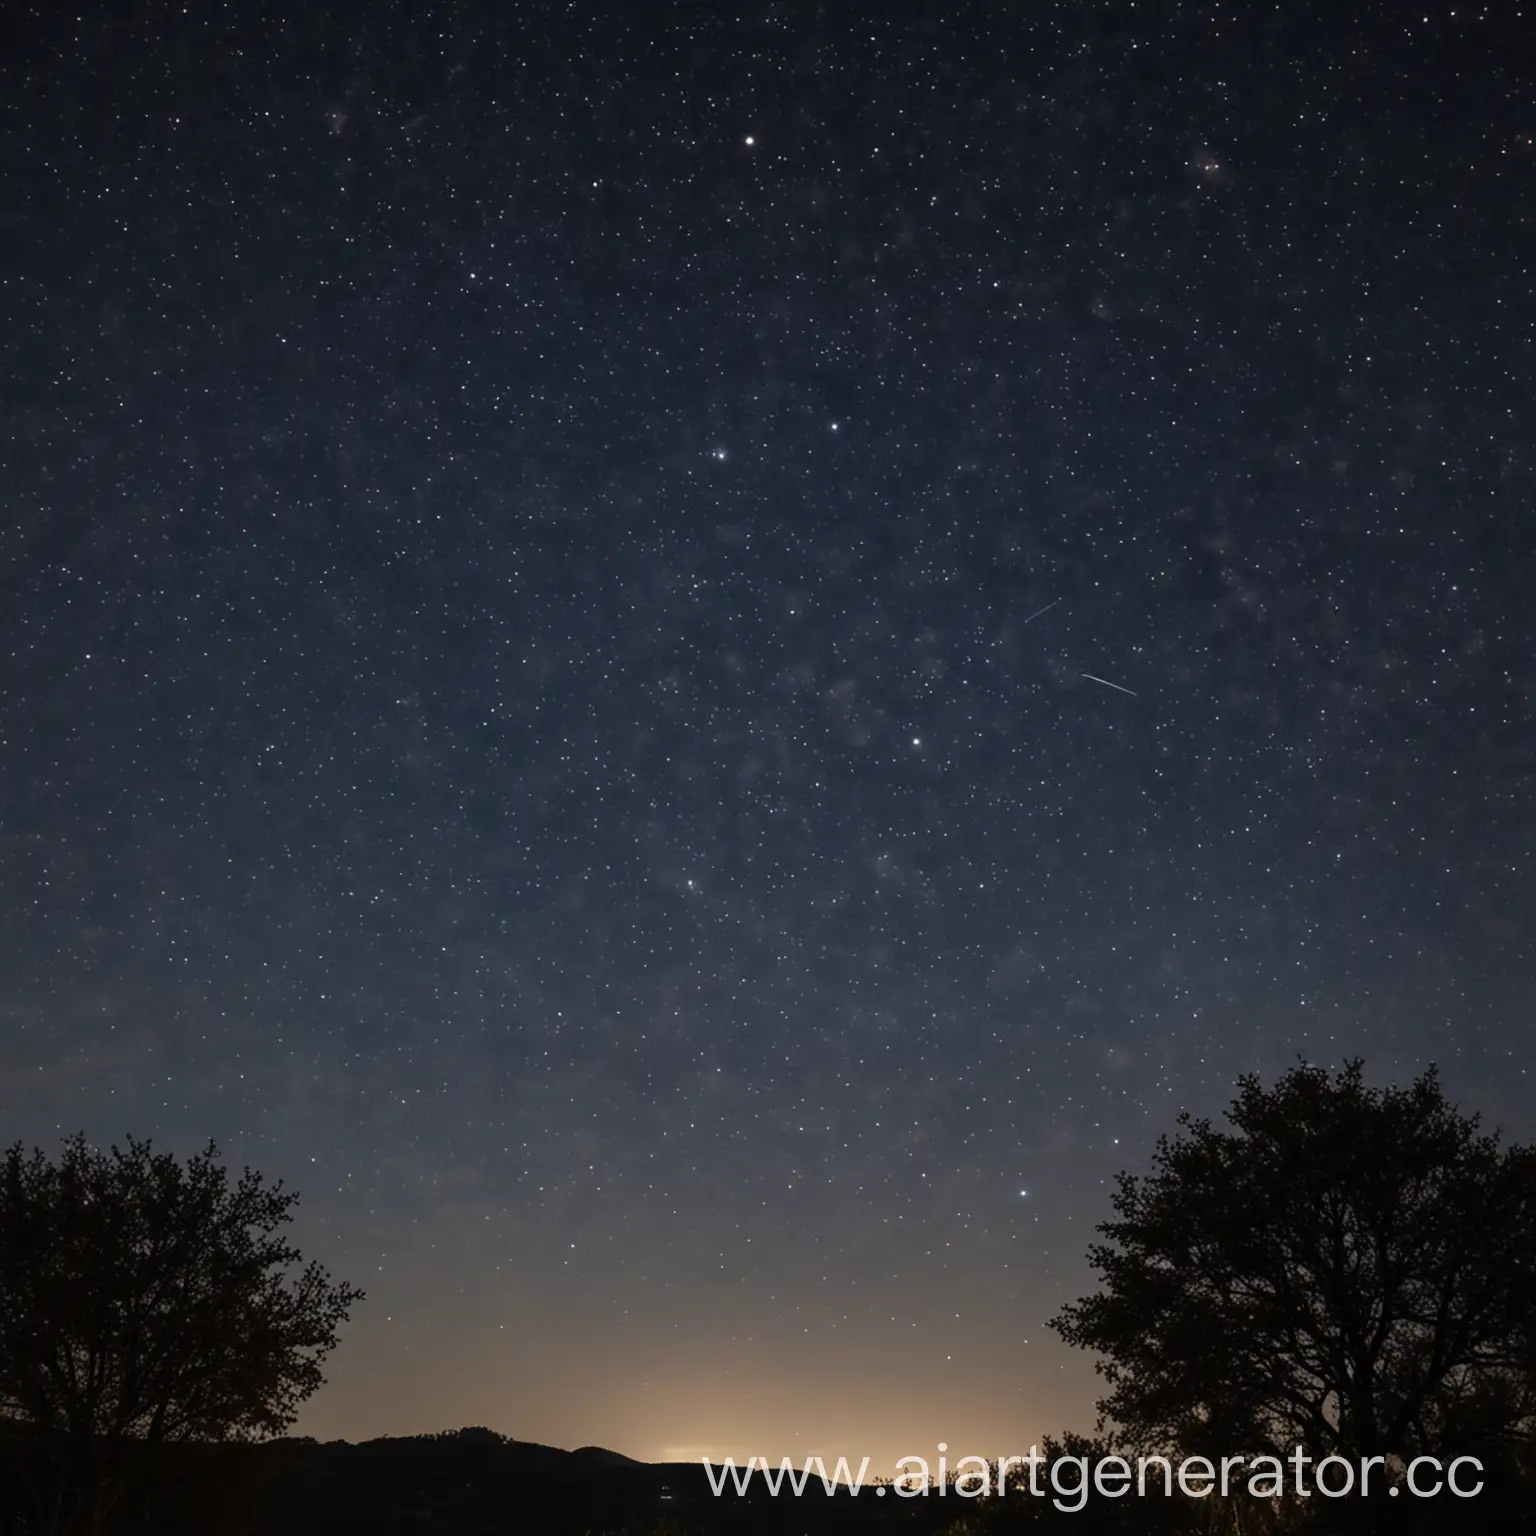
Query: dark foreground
(473, 1482)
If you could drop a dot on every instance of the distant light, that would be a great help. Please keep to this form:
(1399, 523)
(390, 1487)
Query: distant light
(750, 139)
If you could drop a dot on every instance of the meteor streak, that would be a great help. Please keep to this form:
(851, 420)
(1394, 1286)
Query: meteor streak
(1116, 686)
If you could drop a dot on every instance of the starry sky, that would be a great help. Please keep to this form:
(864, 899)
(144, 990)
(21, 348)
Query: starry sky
(696, 665)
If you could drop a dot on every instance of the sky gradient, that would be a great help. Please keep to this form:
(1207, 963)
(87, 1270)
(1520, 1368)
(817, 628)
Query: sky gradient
(696, 666)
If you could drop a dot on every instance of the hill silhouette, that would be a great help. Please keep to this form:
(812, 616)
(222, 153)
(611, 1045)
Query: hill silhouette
(455, 1483)
(475, 1482)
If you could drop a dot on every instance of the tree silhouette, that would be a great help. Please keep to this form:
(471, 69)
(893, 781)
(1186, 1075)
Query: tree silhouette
(144, 1300)
(1346, 1269)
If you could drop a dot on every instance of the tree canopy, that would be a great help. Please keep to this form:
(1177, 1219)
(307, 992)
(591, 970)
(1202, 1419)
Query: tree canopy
(147, 1299)
(1345, 1268)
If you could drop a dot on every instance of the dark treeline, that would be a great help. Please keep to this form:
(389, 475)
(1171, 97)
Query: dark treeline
(1340, 1270)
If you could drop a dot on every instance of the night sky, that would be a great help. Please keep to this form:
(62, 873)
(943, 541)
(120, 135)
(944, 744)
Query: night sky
(695, 666)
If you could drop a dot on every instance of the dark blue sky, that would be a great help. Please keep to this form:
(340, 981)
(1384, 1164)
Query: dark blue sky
(696, 666)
